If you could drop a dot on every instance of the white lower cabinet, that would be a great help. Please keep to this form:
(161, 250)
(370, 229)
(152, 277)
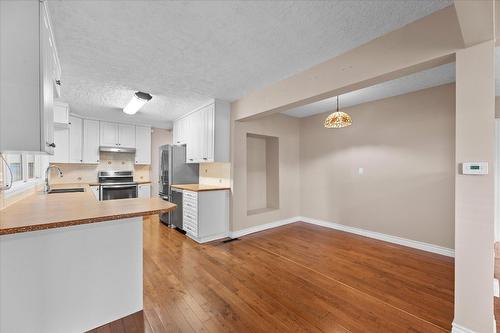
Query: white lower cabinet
(205, 214)
(95, 190)
(144, 191)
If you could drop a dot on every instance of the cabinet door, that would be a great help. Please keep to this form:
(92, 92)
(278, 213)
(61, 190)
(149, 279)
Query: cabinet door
(192, 137)
(61, 150)
(207, 134)
(95, 190)
(47, 70)
(90, 141)
(175, 132)
(142, 145)
(109, 134)
(144, 191)
(61, 113)
(126, 136)
(75, 140)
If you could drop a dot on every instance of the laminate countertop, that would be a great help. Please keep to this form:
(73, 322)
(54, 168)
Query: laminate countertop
(200, 187)
(45, 211)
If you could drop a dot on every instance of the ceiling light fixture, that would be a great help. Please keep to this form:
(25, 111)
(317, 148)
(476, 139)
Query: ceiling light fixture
(137, 102)
(338, 119)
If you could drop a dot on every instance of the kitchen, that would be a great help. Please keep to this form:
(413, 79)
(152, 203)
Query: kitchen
(63, 172)
(244, 166)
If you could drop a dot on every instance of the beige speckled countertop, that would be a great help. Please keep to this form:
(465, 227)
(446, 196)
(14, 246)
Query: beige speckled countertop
(200, 187)
(44, 211)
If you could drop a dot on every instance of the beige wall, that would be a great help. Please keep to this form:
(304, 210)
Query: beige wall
(256, 173)
(287, 130)
(405, 145)
(159, 137)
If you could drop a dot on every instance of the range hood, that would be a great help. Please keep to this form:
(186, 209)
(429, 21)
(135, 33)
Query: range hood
(114, 149)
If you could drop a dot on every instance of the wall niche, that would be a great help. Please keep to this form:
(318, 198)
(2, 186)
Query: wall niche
(262, 173)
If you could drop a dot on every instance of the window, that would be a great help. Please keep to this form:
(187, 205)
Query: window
(26, 168)
(15, 162)
(30, 163)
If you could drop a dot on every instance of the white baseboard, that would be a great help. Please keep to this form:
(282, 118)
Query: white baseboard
(496, 288)
(211, 237)
(262, 227)
(384, 237)
(371, 234)
(460, 329)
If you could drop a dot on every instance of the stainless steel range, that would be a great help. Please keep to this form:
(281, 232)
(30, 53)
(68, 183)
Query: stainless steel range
(117, 185)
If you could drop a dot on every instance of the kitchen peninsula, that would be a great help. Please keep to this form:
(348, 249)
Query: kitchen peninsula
(69, 263)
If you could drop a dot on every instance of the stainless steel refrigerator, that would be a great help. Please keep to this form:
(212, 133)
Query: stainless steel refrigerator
(175, 170)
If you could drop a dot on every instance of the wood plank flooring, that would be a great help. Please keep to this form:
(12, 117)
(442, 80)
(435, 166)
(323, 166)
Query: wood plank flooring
(299, 277)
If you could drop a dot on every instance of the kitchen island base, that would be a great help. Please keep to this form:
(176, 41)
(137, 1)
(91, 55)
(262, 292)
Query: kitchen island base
(71, 279)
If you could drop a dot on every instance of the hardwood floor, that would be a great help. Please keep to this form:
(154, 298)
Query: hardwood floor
(298, 277)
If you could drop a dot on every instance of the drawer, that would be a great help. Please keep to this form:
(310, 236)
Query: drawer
(190, 215)
(190, 201)
(189, 224)
(191, 230)
(190, 204)
(190, 211)
(190, 195)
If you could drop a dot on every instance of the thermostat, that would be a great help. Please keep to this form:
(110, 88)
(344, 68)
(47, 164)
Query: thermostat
(475, 168)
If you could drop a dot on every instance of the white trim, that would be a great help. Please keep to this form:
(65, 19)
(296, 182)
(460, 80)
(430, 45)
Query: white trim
(371, 234)
(207, 239)
(262, 227)
(384, 237)
(460, 329)
(496, 288)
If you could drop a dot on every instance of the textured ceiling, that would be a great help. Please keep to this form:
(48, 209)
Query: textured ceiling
(421, 80)
(186, 52)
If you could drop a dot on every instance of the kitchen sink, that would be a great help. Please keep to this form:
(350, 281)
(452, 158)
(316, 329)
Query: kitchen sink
(66, 190)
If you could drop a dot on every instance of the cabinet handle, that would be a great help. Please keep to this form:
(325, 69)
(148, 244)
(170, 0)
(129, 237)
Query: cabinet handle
(58, 82)
(53, 145)
(190, 159)
(205, 158)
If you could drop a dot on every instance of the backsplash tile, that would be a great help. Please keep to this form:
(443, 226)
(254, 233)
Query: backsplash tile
(87, 173)
(218, 174)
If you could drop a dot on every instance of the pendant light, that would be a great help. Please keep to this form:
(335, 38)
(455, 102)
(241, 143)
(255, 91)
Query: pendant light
(338, 119)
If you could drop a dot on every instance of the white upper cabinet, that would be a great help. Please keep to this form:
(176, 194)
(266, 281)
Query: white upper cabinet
(61, 151)
(119, 135)
(180, 131)
(30, 69)
(61, 113)
(79, 141)
(142, 145)
(206, 133)
(126, 136)
(90, 141)
(109, 134)
(75, 140)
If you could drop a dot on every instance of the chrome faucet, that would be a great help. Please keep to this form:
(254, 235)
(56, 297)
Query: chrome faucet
(47, 186)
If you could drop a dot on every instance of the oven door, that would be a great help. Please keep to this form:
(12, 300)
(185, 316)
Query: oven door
(111, 192)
